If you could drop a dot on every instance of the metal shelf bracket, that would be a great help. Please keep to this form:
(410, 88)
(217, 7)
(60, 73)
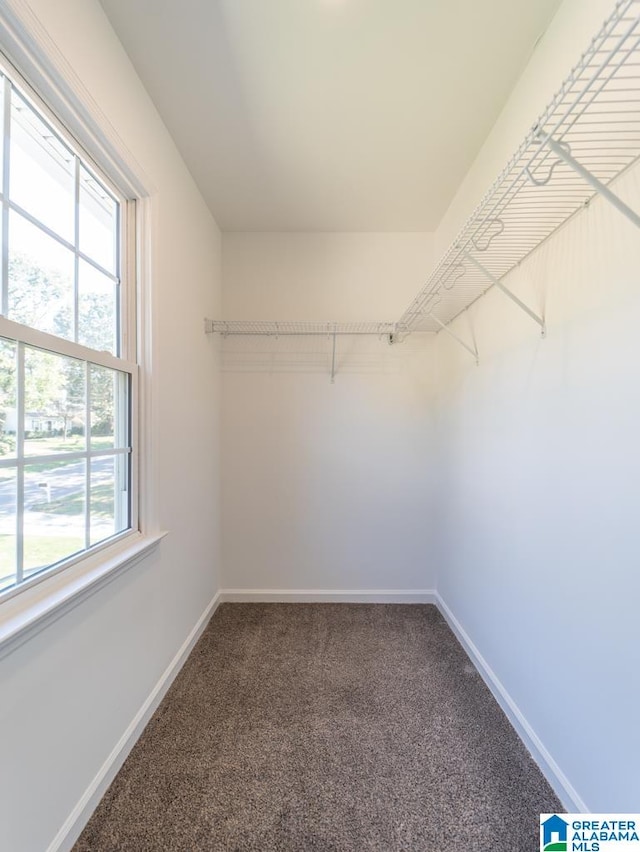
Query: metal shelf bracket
(471, 350)
(534, 316)
(333, 359)
(562, 151)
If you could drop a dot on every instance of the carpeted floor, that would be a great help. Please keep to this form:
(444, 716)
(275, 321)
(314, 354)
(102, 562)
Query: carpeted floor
(325, 728)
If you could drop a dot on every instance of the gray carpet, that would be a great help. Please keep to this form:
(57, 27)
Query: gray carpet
(325, 728)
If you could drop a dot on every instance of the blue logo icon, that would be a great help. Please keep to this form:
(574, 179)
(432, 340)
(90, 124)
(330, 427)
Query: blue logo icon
(554, 834)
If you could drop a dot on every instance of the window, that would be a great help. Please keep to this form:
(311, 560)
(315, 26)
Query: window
(67, 371)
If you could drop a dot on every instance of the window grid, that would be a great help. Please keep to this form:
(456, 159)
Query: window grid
(120, 454)
(6, 125)
(9, 205)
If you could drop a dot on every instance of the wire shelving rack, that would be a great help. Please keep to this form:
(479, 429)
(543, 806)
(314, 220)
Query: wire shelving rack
(283, 329)
(585, 139)
(588, 136)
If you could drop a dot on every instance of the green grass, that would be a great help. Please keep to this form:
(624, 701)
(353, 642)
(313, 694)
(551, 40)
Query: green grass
(72, 444)
(45, 446)
(39, 551)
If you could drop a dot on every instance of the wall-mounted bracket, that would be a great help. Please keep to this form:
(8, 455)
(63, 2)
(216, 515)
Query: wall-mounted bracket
(472, 351)
(333, 359)
(534, 316)
(561, 151)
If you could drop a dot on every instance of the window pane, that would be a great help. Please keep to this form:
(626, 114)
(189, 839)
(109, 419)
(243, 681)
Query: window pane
(40, 279)
(109, 408)
(54, 398)
(42, 170)
(97, 310)
(7, 528)
(54, 526)
(2, 79)
(8, 412)
(65, 424)
(98, 222)
(109, 496)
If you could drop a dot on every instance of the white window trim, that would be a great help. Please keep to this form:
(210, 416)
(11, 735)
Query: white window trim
(25, 615)
(35, 55)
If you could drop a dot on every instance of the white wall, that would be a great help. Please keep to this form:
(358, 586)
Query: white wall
(540, 469)
(530, 471)
(69, 693)
(325, 486)
(560, 47)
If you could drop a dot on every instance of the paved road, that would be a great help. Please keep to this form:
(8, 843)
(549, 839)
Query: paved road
(67, 481)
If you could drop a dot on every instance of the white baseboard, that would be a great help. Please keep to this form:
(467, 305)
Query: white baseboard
(410, 596)
(549, 768)
(79, 816)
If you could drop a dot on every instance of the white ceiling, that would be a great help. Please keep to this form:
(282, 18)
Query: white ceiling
(332, 115)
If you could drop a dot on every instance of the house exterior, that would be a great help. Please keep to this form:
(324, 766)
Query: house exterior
(34, 421)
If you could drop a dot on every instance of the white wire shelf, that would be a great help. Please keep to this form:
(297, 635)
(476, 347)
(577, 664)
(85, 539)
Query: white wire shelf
(282, 329)
(588, 135)
(585, 139)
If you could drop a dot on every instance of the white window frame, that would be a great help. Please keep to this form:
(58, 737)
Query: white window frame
(33, 605)
(27, 336)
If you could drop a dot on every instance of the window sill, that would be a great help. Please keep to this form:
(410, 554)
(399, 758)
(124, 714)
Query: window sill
(26, 614)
